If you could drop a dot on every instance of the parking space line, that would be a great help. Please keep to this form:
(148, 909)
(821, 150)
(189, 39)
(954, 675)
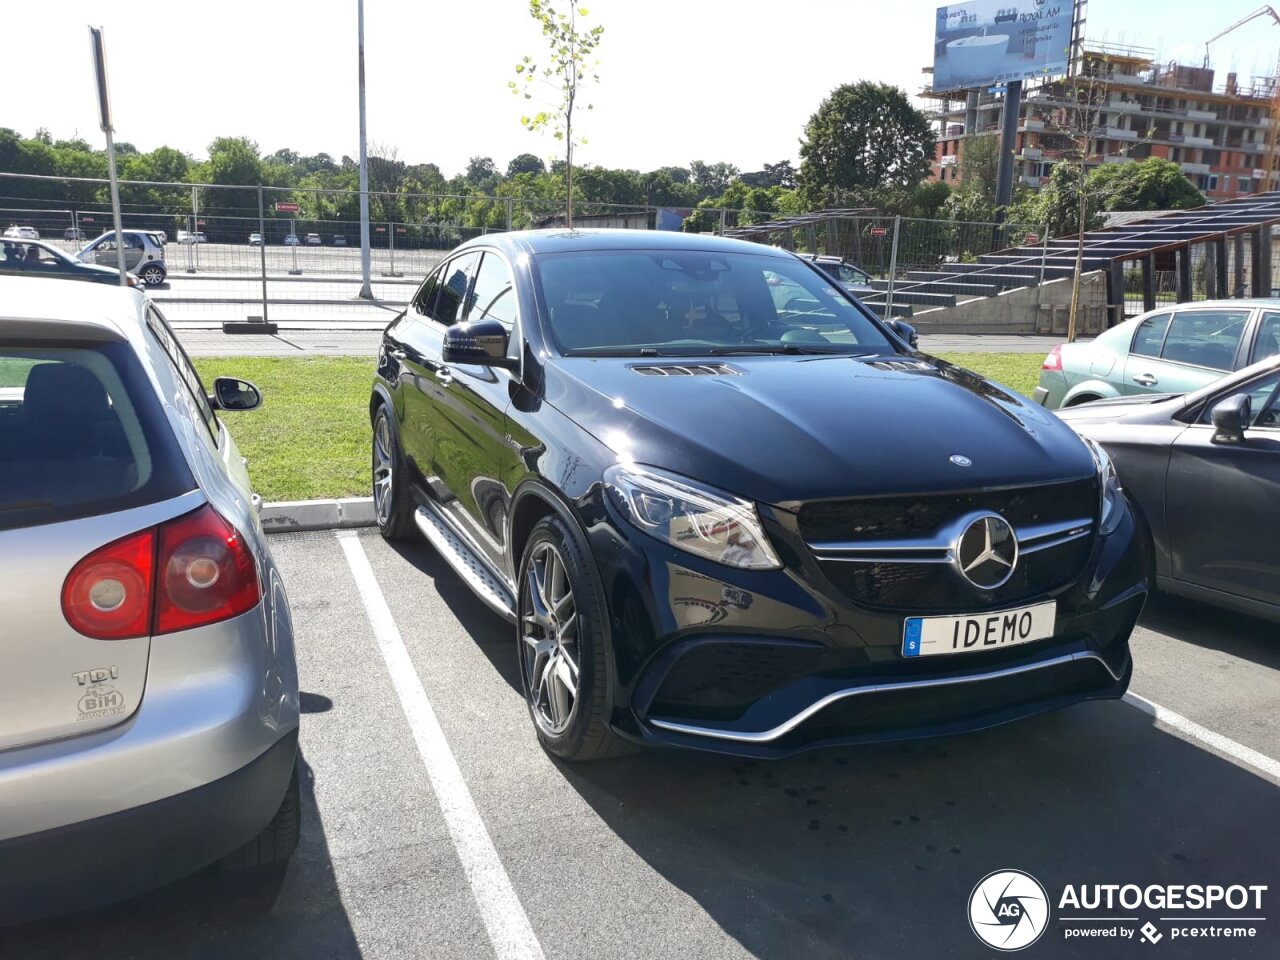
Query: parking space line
(1236, 751)
(504, 918)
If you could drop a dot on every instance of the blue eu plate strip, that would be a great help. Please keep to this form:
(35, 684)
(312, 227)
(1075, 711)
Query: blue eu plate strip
(911, 637)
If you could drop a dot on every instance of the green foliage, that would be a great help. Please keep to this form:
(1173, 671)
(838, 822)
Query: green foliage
(1057, 203)
(975, 201)
(525, 163)
(570, 67)
(1151, 184)
(864, 136)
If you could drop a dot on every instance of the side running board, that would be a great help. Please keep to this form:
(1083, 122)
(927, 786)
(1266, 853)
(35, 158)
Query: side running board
(474, 571)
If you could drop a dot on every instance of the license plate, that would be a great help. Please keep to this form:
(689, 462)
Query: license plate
(931, 636)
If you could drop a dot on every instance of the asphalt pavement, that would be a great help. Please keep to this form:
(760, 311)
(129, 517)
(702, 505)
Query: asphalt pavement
(435, 826)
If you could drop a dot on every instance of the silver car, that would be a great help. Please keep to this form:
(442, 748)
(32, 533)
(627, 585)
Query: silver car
(143, 254)
(148, 693)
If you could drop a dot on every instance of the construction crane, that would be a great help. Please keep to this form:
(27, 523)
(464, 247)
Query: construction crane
(1273, 127)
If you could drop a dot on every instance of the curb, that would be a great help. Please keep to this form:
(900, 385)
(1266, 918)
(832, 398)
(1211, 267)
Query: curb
(288, 516)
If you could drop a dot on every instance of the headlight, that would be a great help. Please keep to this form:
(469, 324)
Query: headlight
(1112, 493)
(691, 517)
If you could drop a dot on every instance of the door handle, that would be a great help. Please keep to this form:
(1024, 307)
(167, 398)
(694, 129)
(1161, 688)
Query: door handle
(1145, 380)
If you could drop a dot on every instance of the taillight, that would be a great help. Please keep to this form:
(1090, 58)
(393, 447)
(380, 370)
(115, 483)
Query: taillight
(205, 572)
(188, 572)
(1054, 360)
(107, 595)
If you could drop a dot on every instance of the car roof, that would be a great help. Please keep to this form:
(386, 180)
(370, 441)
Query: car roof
(114, 312)
(562, 240)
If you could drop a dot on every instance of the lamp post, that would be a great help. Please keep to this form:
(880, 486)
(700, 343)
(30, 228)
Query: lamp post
(365, 292)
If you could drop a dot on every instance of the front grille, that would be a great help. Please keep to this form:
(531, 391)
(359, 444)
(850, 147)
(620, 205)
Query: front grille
(884, 518)
(927, 587)
(719, 680)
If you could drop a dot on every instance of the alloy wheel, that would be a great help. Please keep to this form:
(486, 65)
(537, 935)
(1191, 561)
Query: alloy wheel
(153, 277)
(383, 469)
(549, 639)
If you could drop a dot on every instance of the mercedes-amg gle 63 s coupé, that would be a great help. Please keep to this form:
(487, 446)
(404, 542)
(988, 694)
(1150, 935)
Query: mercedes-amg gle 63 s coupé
(725, 507)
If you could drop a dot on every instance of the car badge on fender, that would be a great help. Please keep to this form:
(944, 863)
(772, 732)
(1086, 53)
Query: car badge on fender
(961, 461)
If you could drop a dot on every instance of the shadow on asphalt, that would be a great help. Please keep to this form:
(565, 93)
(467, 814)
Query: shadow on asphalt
(873, 851)
(211, 916)
(491, 633)
(1213, 628)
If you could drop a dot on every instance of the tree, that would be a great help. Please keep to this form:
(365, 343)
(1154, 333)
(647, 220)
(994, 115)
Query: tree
(525, 163)
(781, 174)
(233, 161)
(480, 169)
(864, 135)
(714, 178)
(1151, 184)
(571, 52)
(975, 201)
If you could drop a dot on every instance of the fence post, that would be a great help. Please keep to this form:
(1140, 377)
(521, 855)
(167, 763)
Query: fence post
(293, 232)
(75, 228)
(510, 220)
(191, 231)
(893, 269)
(195, 219)
(723, 217)
(262, 252)
(1044, 250)
(391, 249)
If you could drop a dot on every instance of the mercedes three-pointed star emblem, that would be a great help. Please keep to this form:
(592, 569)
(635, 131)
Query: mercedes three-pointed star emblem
(987, 551)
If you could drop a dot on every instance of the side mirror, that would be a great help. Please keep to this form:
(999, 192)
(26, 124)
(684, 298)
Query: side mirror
(231, 393)
(907, 332)
(1230, 417)
(479, 342)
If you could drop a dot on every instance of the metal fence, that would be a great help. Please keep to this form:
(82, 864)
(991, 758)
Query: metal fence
(294, 254)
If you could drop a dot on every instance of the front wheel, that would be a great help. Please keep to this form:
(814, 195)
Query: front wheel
(152, 276)
(560, 638)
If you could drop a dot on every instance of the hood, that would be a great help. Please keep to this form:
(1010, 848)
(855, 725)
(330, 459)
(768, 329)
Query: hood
(1120, 408)
(781, 429)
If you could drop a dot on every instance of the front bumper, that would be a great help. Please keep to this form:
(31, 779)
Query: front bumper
(770, 663)
(117, 856)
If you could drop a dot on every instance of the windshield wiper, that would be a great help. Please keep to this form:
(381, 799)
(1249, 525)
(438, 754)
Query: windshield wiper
(788, 349)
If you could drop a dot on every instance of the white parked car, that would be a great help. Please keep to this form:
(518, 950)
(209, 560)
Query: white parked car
(255, 239)
(313, 239)
(143, 255)
(291, 240)
(23, 233)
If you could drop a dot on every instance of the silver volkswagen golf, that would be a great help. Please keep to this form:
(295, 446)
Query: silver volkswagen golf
(148, 693)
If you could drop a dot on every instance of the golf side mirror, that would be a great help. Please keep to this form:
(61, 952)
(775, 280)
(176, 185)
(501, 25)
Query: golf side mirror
(478, 342)
(1230, 417)
(232, 393)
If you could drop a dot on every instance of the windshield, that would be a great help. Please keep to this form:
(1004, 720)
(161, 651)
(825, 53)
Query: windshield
(682, 302)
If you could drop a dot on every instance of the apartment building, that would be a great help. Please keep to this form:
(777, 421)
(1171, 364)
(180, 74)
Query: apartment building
(1217, 132)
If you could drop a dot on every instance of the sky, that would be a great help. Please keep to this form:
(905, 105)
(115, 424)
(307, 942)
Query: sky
(680, 80)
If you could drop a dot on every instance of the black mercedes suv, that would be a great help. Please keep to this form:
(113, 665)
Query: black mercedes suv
(725, 507)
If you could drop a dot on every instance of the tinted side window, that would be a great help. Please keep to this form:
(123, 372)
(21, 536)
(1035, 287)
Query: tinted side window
(494, 296)
(1268, 342)
(1150, 336)
(452, 283)
(1206, 338)
(1264, 403)
(424, 300)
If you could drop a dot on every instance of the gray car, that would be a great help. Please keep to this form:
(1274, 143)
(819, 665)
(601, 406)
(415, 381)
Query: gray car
(1204, 470)
(1175, 349)
(148, 693)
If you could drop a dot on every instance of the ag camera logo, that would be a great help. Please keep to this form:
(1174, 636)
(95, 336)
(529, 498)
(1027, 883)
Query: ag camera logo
(1008, 910)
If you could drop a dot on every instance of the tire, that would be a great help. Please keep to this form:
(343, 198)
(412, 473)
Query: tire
(269, 851)
(153, 276)
(392, 502)
(560, 635)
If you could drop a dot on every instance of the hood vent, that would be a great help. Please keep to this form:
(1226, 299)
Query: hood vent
(902, 365)
(686, 370)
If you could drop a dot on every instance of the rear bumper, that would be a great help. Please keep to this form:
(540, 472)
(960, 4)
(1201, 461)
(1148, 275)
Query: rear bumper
(117, 856)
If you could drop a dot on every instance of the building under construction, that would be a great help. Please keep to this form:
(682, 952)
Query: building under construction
(1221, 131)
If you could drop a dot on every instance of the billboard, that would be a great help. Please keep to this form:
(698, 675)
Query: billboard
(992, 41)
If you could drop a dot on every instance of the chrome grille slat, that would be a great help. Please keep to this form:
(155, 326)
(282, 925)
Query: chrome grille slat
(685, 370)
